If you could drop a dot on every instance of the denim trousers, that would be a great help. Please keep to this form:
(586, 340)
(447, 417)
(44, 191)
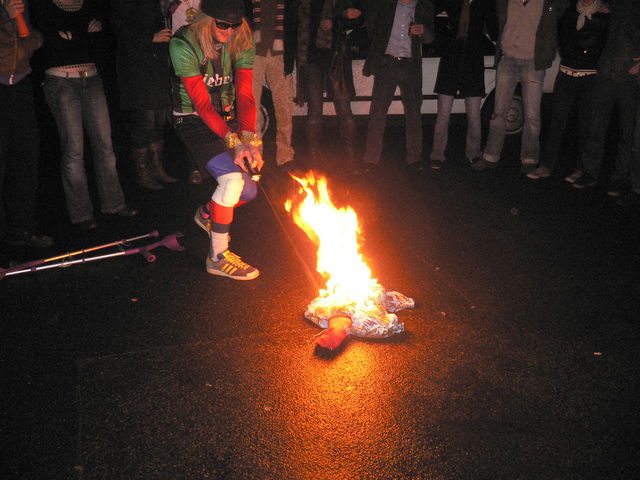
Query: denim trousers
(441, 128)
(512, 71)
(395, 73)
(567, 92)
(19, 150)
(607, 95)
(79, 105)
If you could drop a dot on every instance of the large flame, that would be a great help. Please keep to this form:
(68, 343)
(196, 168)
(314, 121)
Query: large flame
(336, 233)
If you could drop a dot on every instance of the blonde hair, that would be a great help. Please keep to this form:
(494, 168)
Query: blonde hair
(203, 29)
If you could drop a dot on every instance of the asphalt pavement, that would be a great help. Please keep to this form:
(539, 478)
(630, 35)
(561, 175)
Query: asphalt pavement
(519, 361)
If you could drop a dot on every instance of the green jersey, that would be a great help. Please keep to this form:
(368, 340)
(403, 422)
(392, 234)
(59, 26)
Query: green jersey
(188, 61)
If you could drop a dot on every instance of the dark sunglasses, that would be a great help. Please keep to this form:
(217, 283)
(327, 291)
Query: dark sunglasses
(226, 25)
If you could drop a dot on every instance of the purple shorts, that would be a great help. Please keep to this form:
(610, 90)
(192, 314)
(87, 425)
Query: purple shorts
(222, 164)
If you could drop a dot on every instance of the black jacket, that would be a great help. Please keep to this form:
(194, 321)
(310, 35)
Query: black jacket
(461, 68)
(379, 16)
(142, 66)
(84, 47)
(581, 49)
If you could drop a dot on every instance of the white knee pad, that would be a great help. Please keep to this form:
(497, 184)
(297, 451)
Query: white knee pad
(229, 189)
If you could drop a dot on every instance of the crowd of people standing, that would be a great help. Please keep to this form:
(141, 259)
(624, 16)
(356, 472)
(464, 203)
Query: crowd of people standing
(200, 66)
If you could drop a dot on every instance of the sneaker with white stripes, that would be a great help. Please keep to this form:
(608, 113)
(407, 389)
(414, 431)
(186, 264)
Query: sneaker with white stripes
(202, 219)
(228, 264)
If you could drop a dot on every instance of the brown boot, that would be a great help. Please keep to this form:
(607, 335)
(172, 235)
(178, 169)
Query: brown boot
(155, 161)
(143, 177)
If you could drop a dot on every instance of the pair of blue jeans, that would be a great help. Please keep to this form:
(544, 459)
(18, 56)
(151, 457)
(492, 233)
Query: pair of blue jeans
(512, 71)
(79, 105)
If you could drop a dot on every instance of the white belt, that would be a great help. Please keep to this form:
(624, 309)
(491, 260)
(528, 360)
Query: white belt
(576, 73)
(83, 74)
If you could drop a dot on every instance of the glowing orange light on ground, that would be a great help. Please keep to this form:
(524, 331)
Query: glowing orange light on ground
(352, 302)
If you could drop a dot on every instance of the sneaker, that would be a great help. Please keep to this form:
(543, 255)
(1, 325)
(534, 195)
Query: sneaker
(436, 164)
(480, 163)
(584, 181)
(231, 265)
(540, 172)
(628, 199)
(28, 239)
(202, 219)
(526, 168)
(573, 177)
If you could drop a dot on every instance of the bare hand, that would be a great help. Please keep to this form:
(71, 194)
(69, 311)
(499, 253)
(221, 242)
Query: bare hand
(326, 24)
(416, 29)
(163, 35)
(251, 153)
(66, 35)
(636, 68)
(94, 26)
(14, 7)
(351, 13)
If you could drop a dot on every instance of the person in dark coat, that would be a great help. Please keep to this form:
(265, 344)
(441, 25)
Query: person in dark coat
(582, 35)
(19, 135)
(144, 81)
(614, 88)
(394, 59)
(461, 71)
(327, 67)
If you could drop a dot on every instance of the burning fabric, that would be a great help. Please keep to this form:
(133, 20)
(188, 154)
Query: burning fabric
(353, 302)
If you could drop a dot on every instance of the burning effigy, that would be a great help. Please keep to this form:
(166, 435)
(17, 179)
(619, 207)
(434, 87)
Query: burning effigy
(352, 302)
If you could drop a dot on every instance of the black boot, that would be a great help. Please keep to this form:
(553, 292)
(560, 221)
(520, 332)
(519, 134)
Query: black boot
(155, 161)
(143, 176)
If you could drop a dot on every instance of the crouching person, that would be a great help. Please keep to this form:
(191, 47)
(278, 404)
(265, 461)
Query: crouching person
(213, 59)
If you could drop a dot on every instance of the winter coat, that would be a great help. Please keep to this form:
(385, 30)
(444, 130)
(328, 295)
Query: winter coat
(461, 69)
(142, 65)
(379, 16)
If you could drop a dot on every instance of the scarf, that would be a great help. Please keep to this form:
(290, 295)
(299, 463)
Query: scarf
(585, 11)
